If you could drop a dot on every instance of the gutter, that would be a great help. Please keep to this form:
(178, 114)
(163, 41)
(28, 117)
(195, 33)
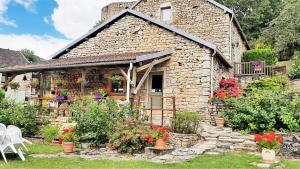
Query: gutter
(230, 40)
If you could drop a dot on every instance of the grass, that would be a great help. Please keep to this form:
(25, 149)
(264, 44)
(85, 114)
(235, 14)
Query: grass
(226, 161)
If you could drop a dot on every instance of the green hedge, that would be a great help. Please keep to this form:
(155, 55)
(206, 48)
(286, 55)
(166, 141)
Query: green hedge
(261, 53)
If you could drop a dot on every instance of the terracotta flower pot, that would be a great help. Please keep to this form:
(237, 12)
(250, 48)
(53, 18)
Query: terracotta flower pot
(68, 147)
(268, 156)
(160, 144)
(220, 122)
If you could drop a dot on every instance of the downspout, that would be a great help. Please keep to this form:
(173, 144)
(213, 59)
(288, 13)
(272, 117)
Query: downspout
(230, 38)
(128, 82)
(212, 73)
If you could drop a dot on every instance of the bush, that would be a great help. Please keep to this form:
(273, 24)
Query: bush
(2, 94)
(294, 71)
(261, 53)
(50, 133)
(95, 120)
(20, 115)
(268, 106)
(130, 136)
(186, 123)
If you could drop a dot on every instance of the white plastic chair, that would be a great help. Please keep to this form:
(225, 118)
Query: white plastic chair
(5, 142)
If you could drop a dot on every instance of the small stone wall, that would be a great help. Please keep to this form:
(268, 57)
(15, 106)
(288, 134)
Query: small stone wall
(291, 145)
(178, 140)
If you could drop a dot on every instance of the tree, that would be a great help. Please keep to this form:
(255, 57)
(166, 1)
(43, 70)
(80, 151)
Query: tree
(30, 56)
(283, 32)
(254, 15)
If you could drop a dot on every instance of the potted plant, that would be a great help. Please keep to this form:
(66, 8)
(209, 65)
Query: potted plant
(63, 95)
(270, 145)
(50, 133)
(116, 77)
(160, 135)
(220, 120)
(14, 85)
(103, 93)
(68, 140)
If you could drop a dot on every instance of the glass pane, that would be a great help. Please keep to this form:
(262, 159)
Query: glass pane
(157, 82)
(3, 79)
(166, 14)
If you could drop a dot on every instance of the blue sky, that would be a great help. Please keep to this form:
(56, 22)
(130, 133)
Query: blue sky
(46, 26)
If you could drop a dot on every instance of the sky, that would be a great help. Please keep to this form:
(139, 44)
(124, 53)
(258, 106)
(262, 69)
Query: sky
(45, 26)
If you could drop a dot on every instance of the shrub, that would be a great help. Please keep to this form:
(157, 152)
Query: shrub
(95, 120)
(228, 88)
(263, 110)
(294, 71)
(261, 53)
(186, 123)
(21, 115)
(272, 83)
(50, 133)
(2, 94)
(130, 136)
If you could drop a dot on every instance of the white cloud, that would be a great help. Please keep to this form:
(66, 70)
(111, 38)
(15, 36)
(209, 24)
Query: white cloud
(27, 4)
(74, 18)
(46, 20)
(43, 46)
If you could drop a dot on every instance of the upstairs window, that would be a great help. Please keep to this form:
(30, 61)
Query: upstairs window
(166, 14)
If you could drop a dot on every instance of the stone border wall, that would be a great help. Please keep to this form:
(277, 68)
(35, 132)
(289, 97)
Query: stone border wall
(291, 145)
(178, 140)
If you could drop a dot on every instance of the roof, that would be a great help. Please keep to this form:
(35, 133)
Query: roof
(226, 9)
(80, 62)
(10, 58)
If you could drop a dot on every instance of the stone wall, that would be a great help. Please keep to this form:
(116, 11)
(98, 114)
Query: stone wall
(177, 140)
(291, 145)
(197, 17)
(187, 73)
(114, 8)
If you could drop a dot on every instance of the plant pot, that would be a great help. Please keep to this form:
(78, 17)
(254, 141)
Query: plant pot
(68, 147)
(61, 97)
(160, 144)
(220, 122)
(268, 156)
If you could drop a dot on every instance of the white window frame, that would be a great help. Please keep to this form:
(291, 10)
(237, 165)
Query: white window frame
(162, 14)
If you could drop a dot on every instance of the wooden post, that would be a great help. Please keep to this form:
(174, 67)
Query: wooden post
(83, 74)
(174, 108)
(162, 111)
(41, 93)
(151, 110)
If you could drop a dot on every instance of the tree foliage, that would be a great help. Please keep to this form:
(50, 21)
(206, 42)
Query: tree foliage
(30, 55)
(283, 32)
(261, 53)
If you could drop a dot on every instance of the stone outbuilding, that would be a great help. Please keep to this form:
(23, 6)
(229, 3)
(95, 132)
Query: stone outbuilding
(176, 49)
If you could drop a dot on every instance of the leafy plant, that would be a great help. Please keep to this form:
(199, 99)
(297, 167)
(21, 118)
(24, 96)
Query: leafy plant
(294, 72)
(64, 92)
(158, 133)
(130, 136)
(116, 77)
(2, 95)
(14, 85)
(105, 92)
(261, 53)
(69, 135)
(276, 83)
(186, 123)
(268, 141)
(50, 133)
(94, 120)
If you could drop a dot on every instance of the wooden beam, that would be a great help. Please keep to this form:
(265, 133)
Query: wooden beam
(144, 77)
(134, 77)
(155, 63)
(9, 80)
(82, 85)
(125, 76)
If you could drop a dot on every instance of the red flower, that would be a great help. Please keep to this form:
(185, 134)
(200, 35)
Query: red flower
(150, 138)
(65, 131)
(155, 127)
(166, 137)
(59, 141)
(73, 130)
(162, 129)
(272, 135)
(70, 137)
(280, 139)
(258, 137)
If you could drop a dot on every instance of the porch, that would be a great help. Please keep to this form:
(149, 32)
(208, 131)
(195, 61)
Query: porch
(130, 77)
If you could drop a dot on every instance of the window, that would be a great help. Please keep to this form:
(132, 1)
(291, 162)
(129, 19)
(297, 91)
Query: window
(157, 83)
(3, 79)
(166, 14)
(117, 85)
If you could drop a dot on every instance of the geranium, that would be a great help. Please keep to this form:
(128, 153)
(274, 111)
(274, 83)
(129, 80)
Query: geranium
(105, 92)
(69, 135)
(229, 88)
(269, 141)
(158, 133)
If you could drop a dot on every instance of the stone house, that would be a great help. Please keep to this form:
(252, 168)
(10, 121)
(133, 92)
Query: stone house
(10, 58)
(163, 49)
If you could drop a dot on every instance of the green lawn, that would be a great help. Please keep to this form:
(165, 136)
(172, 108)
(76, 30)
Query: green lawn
(227, 161)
